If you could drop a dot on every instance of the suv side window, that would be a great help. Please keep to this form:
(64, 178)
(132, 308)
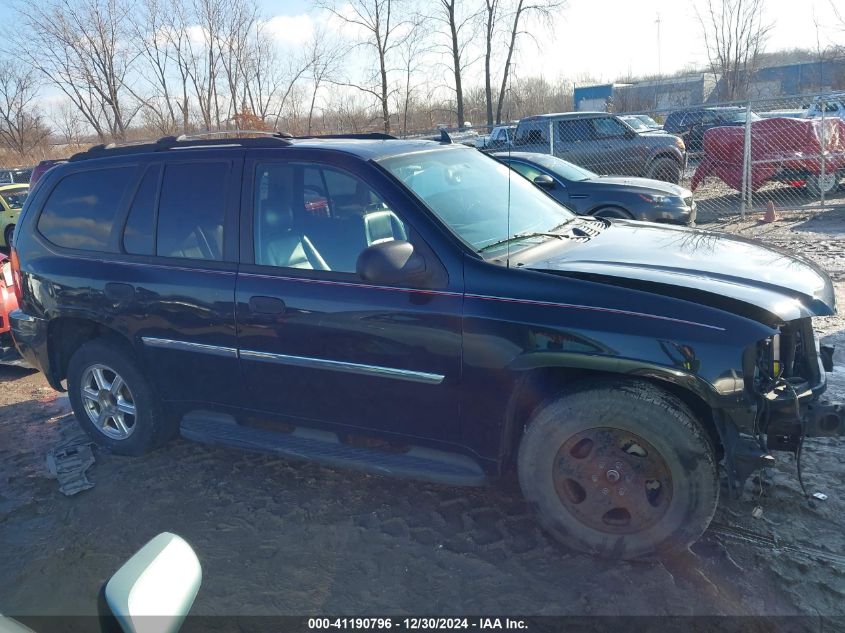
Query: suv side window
(309, 216)
(608, 127)
(139, 232)
(81, 210)
(533, 133)
(192, 209)
(574, 130)
(526, 170)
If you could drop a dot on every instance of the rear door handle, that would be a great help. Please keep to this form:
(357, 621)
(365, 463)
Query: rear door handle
(266, 305)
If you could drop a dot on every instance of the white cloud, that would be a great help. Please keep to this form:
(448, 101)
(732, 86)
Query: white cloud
(291, 29)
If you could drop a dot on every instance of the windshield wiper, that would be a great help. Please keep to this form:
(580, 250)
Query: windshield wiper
(519, 236)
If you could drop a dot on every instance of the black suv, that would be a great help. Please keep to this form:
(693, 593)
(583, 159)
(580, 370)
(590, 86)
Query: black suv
(691, 124)
(415, 308)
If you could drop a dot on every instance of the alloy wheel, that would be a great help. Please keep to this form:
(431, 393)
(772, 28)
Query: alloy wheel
(108, 401)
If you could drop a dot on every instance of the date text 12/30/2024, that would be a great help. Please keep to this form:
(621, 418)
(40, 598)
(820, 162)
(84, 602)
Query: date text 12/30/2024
(412, 624)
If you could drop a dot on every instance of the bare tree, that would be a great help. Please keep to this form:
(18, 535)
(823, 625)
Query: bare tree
(520, 11)
(734, 34)
(324, 59)
(491, 19)
(382, 25)
(412, 52)
(69, 123)
(21, 126)
(79, 45)
(459, 33)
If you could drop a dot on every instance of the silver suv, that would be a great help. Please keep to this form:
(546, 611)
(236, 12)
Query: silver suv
(603, 143)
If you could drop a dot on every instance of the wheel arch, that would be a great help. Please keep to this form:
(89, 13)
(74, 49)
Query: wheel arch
(534, 386)
(66, 334)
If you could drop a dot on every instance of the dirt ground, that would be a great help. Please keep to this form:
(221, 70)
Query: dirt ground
(278, 537)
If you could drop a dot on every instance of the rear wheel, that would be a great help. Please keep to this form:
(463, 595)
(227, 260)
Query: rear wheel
(665, 169)
(818, 184)
(113, 401)
(620, 470)
(8, 234)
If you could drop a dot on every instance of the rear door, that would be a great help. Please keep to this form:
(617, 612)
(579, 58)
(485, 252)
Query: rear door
(575, 141)
(318, 344)
(176, 286)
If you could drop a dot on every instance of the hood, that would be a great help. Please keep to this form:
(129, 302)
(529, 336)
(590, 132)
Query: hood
(703, 266)
(644, 185)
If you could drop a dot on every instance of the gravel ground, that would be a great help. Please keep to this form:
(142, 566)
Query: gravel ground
(278, 537)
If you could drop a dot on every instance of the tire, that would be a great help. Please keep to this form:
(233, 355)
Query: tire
(93, 388)
(584, 451)
(8, 234)
(613, 212)
(665, 169)
(816, 185)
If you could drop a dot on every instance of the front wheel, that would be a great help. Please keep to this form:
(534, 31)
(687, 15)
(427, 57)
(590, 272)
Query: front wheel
(113, 401)
(613, 212)
(665, 169)
(8, 234)
(620, 470)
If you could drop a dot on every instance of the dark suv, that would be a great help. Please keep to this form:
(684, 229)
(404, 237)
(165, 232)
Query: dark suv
(603, 143)
(415, 308)
(691, 124)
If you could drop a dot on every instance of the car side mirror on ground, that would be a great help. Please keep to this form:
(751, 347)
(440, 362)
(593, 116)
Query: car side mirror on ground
(154, 590)
(391, 262)
(545, 181)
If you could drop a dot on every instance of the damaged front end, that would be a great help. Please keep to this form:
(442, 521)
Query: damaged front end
(785, 377)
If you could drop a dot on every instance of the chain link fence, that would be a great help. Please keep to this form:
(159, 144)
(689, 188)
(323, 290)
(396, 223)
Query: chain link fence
(737, 158)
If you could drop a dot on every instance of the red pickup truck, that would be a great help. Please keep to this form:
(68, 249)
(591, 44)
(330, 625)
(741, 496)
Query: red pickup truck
(782, 149)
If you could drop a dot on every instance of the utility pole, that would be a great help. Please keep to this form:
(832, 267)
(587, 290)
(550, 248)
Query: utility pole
(659, 65)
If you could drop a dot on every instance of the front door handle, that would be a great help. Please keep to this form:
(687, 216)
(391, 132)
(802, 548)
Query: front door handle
(266, 305)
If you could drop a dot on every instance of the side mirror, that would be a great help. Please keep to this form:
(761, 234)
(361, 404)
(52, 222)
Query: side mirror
(161, 579)
(545, 181)
(391, 262)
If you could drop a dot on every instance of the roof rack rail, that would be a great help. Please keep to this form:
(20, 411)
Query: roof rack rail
(236, 133)
(202, 139)
(372, 136)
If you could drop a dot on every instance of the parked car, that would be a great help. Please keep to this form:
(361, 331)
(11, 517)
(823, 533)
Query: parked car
(782, 150)
(42, 167)
(8, 303)
(691, 124)
(603, 143)
(587, 193)
(12, 198)
(829, 105)
(642, 123)
(18, 175)
(501, 136)
(439, 319)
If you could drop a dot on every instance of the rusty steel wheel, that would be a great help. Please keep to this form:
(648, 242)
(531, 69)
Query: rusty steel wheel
(620, 469)
(613, 481)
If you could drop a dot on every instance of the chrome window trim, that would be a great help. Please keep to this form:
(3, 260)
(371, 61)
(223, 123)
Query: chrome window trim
(336, 365)
(187, 346)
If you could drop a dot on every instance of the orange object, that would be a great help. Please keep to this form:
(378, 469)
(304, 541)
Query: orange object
(770, 216)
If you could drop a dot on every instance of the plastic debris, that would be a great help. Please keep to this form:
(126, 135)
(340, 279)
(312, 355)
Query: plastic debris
(757, 512)
(820, 496)
(68, 463)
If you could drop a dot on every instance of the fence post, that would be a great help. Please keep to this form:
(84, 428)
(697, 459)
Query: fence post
(746, 163)
(823, 105)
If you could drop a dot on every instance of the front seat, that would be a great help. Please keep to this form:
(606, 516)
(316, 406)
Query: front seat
(383, 226)
(284, 247)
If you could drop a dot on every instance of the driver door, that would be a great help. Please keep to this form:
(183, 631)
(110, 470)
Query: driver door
(318, 344)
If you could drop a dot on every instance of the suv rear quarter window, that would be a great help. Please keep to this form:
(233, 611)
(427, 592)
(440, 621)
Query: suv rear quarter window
(81, 209)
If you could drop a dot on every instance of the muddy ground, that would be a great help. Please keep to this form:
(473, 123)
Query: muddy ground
(277, 537)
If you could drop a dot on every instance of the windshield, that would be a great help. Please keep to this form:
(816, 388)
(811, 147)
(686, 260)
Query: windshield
(15, 198)
(647, 120)
(481, 200)
(738, 116)
(564, 169)
(635, 123)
